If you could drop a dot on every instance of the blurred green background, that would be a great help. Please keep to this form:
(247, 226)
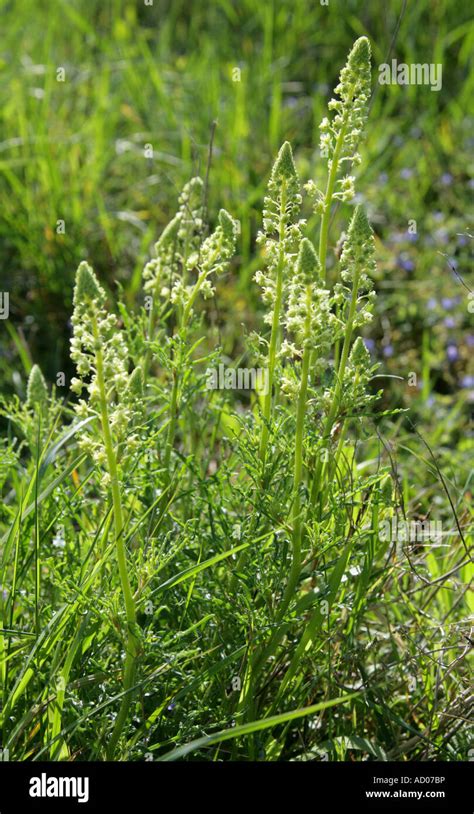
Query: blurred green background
(140, 76)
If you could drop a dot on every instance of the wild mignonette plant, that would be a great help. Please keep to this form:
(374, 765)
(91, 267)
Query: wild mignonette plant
(37, 419)
(313, 318)
(280, 237)
(164, 276)
(184, 269)
(340, 135)
(229, 546)
(100, 354)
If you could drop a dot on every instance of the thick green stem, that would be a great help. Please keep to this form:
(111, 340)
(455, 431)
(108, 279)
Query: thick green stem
(131, 642)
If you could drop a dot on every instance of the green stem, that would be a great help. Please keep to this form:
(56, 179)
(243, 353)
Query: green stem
(131, 643)
(261, 656)
(275, 333)
(323, 243)
(295, 570)
(331, 182)
(339, 384)
(246, 696)
(174, 403)
(172, 423)
(150, 334)
(195, 292)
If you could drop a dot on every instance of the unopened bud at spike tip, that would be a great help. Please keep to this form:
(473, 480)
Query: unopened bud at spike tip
(36, 391)
(87, 285)
(284, 166)
(359, 55)
(308, 263)
(359, 226)
(360, 356)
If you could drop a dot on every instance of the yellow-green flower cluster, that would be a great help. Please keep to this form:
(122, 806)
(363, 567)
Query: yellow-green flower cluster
(181, 250)
(178, 247)
(159, 274)
(358, 263)
(358, 373)
(212, 259)
(98, 349)
(308, 317)
(340, 134)
(281, 234)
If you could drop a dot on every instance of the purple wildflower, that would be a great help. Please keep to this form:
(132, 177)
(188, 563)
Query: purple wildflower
(406, 263)
(452, 352)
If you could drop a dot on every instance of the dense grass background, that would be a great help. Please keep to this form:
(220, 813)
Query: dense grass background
(75, 151)
(160, 75)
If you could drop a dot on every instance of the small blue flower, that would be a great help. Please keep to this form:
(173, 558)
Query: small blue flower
(450, 322)
(406, 173)
(470, 340)
(406, 263)
(388, 350)
(446, 179)
(467, 382)
(452, 353)
(432, 303)
(447, 303)
(370, 345)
